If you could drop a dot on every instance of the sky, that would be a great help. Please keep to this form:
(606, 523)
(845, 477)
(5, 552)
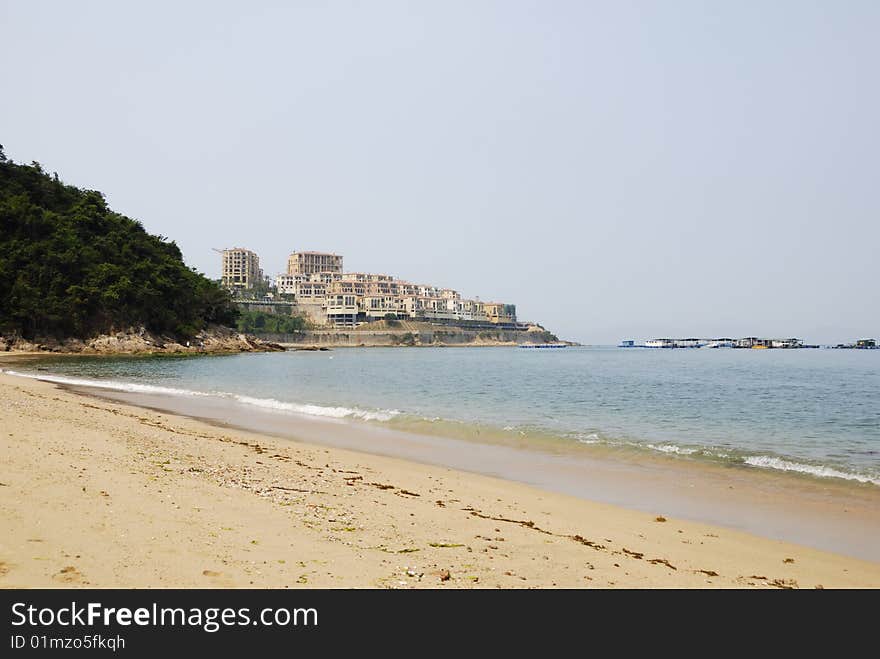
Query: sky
(618, 170)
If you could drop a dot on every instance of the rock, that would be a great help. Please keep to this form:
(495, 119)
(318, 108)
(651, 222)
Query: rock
(137, 340)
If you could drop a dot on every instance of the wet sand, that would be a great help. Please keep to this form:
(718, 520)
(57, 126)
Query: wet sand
(827, 514)
(101, 493)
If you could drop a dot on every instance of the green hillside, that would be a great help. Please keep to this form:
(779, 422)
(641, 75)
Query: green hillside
(71, 267)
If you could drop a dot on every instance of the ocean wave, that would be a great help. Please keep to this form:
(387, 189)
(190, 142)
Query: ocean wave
(769, 462)
(115, 385)
(454, 428)
(307, 409)
(333, 412)
(671, 448)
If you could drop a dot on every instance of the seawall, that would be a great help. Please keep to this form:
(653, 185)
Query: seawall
(409, 334)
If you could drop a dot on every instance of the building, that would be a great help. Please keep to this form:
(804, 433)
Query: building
(342, 310)
(499, 312)
(747, 342)
(328, 296)
(285, 284)
(240, 269)
(786, 343)
(756, 342)
(307, 263)
(720, 343)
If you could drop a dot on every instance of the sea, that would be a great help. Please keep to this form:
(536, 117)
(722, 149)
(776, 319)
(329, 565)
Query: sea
(810, 412)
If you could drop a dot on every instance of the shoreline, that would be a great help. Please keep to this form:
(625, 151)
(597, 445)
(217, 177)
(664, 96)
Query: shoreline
(779, 464)
(833, 514)
(101, 493)
(825, 514)
(411, 334)
(214, 340)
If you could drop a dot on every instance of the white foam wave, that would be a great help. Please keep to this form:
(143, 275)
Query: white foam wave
(672, 448)
(333, 412)
(263, 403)
(339, 412)
(115, 385)
(592, 438)
(769, 462)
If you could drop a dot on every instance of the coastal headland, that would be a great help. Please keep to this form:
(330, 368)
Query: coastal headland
(223, 340)
(105, 494)
(212, 340)
(407, 333)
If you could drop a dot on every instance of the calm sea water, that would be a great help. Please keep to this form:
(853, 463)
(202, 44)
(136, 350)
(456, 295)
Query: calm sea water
(810, 411)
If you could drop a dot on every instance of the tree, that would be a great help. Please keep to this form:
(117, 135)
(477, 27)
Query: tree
(72, 267)
(270, 323)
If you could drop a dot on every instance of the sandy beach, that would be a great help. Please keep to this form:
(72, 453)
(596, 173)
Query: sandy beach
(101, 494)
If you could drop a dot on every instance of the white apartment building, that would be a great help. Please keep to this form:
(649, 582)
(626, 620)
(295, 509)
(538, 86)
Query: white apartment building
(307, 263)
(240, 268)
(345, 299)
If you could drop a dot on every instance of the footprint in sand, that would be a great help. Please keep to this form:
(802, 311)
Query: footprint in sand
(4, 568)
(68, 574)
(210, 573)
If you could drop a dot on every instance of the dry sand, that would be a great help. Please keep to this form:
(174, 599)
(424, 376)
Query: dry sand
(95, 493)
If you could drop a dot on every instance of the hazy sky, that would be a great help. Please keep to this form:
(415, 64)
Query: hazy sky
(617, 169)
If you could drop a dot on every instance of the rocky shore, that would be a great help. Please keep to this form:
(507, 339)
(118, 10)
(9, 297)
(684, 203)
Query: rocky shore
(405, 333)
(134, 341)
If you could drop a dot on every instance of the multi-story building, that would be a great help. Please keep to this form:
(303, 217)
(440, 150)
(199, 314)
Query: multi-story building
(285, 284)
(499, 312)
(327, 295)
(240, 268)
(307, 263)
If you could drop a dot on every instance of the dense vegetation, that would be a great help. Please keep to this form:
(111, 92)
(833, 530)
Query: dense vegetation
(71, 267)
(257, 322)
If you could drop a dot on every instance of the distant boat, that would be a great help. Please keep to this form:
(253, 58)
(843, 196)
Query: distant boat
(543, 345)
